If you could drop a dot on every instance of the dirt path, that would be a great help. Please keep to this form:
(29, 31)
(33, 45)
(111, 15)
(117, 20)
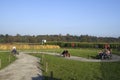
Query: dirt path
(26, 67)
(115, 58)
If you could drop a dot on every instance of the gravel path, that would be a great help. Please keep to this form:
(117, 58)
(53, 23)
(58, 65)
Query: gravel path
(26, 67)
(115, 58)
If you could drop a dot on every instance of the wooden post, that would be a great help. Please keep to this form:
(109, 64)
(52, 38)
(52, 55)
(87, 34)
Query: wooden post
(9, 58)
(51, 75)
(0, 63)
(46, 69)
(88, 56)
(42, 57)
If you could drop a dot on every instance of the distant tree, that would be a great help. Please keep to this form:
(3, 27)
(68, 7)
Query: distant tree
(58, 38)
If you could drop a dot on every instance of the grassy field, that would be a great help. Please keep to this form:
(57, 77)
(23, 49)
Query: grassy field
(115, 51)
(6, 59)
(81, 52)
(64, 69)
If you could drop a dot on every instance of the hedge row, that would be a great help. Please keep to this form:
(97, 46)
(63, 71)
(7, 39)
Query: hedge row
(84, 45)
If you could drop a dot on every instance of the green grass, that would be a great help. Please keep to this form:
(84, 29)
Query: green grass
(81, 52)
(6, 59)
(64, 69)
(115, 51)
(87, 53)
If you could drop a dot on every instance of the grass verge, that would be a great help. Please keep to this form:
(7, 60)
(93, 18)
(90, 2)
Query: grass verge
(64, 69)
(6, 58)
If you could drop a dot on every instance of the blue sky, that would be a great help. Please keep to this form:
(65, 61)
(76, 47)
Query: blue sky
(75, 17)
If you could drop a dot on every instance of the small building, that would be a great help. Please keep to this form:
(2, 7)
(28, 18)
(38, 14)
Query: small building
(44, 41)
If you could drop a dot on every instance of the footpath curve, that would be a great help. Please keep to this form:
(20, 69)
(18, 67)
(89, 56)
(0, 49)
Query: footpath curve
(115, 58)
(26, 67)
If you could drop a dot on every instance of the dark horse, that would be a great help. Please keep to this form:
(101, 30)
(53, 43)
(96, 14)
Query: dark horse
(65, 53)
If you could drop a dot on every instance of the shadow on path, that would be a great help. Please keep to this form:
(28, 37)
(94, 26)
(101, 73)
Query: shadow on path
(39, 77)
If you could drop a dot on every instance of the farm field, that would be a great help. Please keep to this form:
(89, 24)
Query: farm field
(6, 58)
(64, 69)
(27, 46)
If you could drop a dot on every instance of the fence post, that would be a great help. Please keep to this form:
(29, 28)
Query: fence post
(0, 63)
(51, 75)
(9, 58)
(88, 56)
(42, 58)
(46, 65)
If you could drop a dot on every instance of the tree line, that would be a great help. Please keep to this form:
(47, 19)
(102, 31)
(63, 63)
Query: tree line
(58, 38)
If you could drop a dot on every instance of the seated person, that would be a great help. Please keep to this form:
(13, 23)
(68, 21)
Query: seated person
(65, 53)
(100, 54)
(14, 51)
(108, 54)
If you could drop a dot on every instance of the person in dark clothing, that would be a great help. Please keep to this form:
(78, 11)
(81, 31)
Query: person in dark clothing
(14, 51)
(65, 53)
